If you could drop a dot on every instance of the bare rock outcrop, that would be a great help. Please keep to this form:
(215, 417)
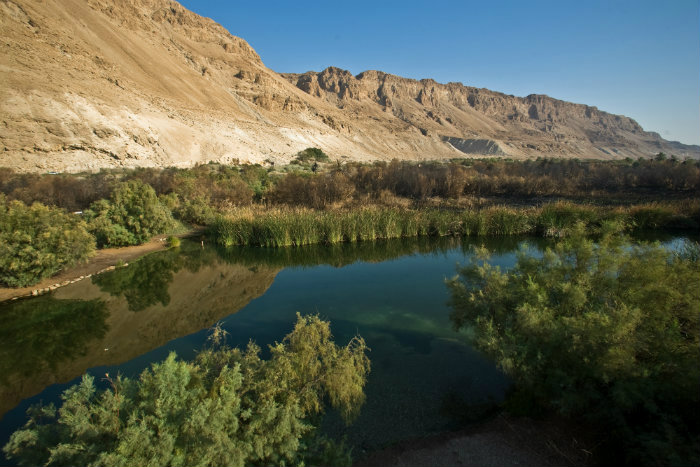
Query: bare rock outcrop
(86, 84)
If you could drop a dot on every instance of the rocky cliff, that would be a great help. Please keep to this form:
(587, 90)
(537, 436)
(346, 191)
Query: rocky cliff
(86, 84)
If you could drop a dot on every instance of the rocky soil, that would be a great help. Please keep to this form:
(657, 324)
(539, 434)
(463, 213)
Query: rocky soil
(89, 84)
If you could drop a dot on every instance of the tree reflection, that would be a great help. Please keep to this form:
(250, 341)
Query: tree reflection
(43, 331)
(145, 282)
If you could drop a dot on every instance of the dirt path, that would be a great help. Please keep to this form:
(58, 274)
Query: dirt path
(499, 442)
(104, 259)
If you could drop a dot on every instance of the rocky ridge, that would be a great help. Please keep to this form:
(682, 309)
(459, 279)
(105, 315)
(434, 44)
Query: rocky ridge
(89, 84)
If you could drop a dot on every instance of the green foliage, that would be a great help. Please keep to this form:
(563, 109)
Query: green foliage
(39, 333)
(228, 407)
(286, 227)
(132, 216)
(257, 178)
(607, 331)
(196, 211)
(173, 241)
(38, 241)
(311, 154)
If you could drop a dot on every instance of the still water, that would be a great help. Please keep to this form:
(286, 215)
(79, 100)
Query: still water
(425, 377)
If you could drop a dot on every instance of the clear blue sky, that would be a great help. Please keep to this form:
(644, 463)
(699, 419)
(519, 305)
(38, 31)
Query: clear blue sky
(639, 58)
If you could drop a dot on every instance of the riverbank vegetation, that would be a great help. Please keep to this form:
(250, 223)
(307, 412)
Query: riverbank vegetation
(277, 227)
(315, 200)
(37, 241)
(603, 332)
(227, 407)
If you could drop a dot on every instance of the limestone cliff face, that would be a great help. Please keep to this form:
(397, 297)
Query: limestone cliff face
(86, 84)
(533, 125)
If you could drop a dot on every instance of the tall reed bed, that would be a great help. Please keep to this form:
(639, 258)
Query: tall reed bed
(299, 226)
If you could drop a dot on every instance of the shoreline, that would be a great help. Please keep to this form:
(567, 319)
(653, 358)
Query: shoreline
(493, 442)
(104, 260)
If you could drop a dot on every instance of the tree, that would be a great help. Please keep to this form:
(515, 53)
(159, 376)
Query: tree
(605, 331)
(228, 407)
(38, 241)
(132, 215)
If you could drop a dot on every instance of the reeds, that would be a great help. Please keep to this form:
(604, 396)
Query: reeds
(300, 226)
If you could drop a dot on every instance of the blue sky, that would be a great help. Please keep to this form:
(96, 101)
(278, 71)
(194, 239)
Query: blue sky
(637, 58)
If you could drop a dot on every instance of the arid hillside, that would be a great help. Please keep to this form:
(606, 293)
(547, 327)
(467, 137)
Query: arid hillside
(86, 84)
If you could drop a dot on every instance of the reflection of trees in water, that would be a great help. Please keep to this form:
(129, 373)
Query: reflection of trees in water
(342, 254)
(43, 331)
(145, 282)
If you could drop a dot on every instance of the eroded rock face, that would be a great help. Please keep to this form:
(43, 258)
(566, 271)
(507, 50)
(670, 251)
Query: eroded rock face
(86, 84)
(476, 146)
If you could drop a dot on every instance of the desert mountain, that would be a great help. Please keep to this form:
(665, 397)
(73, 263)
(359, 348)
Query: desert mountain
(86, 84)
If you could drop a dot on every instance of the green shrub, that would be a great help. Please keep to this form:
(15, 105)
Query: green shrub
(38, 241)
(228, 407)
(606, 332)
(312, 154)
(132, 216)
(196, 211)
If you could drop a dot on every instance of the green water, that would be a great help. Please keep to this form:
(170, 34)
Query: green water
(425, 377)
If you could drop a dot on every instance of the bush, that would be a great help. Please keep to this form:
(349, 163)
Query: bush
(311, 154)
(196, 211)
(38, 241)
(132, 216)
(315, 191)
(604, 332)
(228, 407)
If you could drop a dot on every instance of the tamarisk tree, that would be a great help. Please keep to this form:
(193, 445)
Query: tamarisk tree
(227, 407)
(604, 331)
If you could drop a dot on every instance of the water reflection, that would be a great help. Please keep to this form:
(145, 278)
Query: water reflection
(426, 377)
(146, 282)
(57, 337)
(343, 254)
(39, 334)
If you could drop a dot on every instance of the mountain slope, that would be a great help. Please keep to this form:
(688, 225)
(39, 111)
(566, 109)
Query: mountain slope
(86, 84)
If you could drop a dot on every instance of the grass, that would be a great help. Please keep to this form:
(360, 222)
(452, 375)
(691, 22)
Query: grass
(283, 226)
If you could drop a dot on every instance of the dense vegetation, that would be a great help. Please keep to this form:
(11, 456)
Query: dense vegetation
(313, 200)
(37, 241)
(472, 180)
(603, 332)
(227, 407)
(299, 226)
(132, 215)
